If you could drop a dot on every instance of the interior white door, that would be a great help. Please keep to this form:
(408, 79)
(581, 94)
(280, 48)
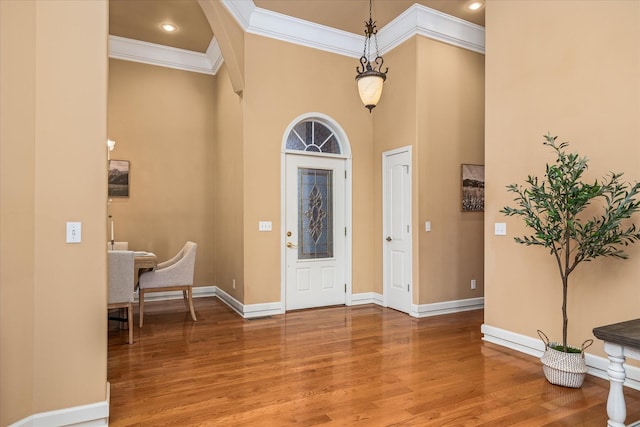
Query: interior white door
(397, 264)
(314, 231)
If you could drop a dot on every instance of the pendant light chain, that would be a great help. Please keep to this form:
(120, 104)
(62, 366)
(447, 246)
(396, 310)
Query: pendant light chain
(369, 30)
(375, 32)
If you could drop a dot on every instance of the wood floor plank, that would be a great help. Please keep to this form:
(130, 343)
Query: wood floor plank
(342, 366)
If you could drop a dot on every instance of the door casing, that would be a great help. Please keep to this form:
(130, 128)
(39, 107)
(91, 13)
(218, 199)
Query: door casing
(346, 155)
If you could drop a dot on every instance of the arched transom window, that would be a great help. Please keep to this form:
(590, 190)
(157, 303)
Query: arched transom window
(313, 137)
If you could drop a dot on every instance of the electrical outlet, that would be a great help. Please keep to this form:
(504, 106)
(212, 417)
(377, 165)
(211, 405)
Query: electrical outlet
(234, 283)
(473, 283)
(500, 229)
(427, 226)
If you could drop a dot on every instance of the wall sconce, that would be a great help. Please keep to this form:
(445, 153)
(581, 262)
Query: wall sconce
(370, 77)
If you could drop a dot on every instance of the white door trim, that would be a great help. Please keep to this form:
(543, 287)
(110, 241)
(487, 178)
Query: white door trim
(385, 255)
(348, 203)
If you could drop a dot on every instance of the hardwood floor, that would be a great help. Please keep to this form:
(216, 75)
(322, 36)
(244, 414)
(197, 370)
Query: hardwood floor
(359, 366)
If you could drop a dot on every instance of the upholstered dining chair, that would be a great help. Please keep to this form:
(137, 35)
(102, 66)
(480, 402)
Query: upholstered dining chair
(120, 285)
(175, 274)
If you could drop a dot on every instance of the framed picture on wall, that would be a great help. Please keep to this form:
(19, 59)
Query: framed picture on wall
(472, 188)
(118, 178)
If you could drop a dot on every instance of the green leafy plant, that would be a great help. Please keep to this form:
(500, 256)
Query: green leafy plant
(554, 208)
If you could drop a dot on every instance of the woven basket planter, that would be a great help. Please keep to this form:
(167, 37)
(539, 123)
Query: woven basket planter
(563, 369)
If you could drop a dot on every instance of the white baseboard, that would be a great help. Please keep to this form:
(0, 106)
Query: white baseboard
(91, 415)
(250, 311)
(423, 310)
(367, 298)
(247, 311)
(447, 307)
(597, 365)
(233, 303)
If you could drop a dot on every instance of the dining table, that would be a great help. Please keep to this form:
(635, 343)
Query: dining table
(621, 341)
(142, 262)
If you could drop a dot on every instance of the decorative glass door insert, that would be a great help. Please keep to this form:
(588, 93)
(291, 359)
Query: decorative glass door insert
(315, 213)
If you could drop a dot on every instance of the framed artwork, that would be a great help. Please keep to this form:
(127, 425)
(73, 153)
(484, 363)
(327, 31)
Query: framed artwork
(118, 178)
(472, 188)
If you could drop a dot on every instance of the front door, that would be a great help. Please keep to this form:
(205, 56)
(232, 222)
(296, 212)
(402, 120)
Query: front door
(314, 231)
(396, 204)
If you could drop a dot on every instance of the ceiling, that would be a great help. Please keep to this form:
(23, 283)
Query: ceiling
(141, 19)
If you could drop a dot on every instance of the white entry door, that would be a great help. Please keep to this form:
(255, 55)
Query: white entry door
(314, 231)
(396, 203)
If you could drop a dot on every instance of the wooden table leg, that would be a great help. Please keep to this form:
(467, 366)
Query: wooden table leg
(616, 408)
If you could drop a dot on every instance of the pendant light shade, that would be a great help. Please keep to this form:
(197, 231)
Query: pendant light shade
(370, 88)
(370, 77)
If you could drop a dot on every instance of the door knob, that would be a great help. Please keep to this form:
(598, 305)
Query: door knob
(389, 238)
(291, 245)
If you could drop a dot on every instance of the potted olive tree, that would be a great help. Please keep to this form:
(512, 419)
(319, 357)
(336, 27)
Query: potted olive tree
(555, 209)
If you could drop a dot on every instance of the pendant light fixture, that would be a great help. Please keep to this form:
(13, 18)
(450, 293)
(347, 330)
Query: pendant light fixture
(370, 76)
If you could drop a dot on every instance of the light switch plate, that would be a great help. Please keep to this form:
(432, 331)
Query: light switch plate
(74, 232)
(264, 226)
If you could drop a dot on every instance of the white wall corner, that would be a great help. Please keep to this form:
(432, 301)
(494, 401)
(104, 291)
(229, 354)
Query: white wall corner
(597, 365)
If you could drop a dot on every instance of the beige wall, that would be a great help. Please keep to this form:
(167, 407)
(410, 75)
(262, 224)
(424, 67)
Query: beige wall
(17, 216)
(440, 91)
(450, 123)
(163, 122)
(228, 181)
(52, 151)
(298, 80)
(574, 72)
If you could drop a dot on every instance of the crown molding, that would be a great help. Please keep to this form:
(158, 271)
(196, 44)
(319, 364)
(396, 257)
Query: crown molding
(421, 20)
(241, 11)
(214, 54)
(293, 30)
(416, 20)
(165, 56)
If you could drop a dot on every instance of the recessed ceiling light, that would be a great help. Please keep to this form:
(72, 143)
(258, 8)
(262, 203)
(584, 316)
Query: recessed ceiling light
(169, 28)
(475, 5)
